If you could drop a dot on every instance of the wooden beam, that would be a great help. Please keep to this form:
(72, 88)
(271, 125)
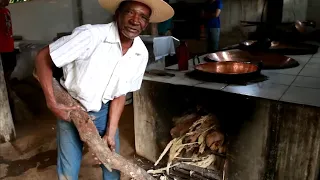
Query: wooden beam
(7, 130)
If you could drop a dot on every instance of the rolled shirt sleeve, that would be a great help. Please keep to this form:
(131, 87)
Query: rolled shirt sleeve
(136, 84)
(69, 48)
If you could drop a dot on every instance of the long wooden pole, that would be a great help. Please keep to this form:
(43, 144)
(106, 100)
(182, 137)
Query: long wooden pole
(7, 130)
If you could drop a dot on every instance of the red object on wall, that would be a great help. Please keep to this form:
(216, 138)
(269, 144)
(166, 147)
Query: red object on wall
(6, 39)
(202, 32)
(183, 56)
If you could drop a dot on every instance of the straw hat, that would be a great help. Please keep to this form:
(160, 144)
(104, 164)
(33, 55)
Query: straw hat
(161, 11)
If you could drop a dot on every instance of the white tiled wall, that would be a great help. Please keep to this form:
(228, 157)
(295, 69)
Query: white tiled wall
(43, 19)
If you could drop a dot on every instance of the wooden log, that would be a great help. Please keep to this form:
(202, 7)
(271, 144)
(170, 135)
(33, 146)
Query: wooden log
(191, 175)
(207, 173)
(182, 127)
(179, 175)
(7, 130)
(89, 135)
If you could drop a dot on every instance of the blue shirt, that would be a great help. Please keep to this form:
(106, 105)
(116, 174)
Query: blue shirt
(211, 8)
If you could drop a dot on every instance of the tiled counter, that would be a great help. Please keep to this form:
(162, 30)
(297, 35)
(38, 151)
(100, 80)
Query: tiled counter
(299, 85)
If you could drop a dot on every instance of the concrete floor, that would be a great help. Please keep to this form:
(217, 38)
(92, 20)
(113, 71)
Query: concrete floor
(32, 156)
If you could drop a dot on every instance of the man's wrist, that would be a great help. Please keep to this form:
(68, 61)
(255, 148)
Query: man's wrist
(51, 102)
(111, 131)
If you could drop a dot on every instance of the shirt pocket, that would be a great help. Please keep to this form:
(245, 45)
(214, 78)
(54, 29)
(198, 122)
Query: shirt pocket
(86, 80)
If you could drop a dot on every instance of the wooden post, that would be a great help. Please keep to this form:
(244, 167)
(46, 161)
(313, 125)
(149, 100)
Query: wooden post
(154, 29)
(7, 130)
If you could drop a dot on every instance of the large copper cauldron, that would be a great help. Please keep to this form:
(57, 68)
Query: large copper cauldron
(228, 68)
(268, 60)
(228, 71)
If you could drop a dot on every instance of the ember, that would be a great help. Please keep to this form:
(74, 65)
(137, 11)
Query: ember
(197, 150)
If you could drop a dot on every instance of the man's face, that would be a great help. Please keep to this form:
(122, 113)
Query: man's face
(133, 19)
(4, 3)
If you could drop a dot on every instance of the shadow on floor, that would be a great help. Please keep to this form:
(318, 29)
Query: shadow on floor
(39, 161)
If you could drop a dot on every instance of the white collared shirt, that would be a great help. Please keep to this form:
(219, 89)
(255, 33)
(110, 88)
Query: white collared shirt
(94, 69)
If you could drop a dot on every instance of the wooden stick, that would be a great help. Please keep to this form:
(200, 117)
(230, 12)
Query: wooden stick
(210, 174)
(89, 134)
(7, 130)
(192, 175)
(181, 175)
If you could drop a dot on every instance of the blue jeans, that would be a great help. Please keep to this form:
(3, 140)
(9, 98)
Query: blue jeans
(70, 147)
(213, 37)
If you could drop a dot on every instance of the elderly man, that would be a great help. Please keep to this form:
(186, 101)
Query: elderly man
(101, 63)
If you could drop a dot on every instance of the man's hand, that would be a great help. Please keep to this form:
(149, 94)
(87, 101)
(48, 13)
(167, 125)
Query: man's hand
(61, 111)
(111, 144)
(110, 141)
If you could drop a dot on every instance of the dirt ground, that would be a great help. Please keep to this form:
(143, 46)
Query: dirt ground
(32, 156)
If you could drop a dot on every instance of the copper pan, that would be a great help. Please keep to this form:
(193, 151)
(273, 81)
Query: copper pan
(268, 60)
(228, 71)
(274, 47)
(228, 68)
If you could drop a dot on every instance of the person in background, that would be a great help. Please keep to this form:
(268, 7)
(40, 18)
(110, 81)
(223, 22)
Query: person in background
(211, 16)
(165, 28)
(8, 56)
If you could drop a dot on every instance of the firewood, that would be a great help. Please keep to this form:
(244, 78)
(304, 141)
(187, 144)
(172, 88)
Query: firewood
(222, 149)
(203, 123)
(89, 135)
(173, 177)
(161, 170)
(193, 138)
(201, 140)
(175, 149)
(191, 174)
(190, 147)
(207, 173)
(184, 118)
(164, 151)
(214, 140)
(183, 124)
(205, 162)
(177, 173)
(167, 177)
